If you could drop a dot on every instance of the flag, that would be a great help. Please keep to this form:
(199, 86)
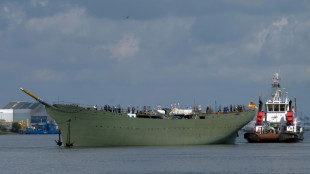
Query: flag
(252, 105)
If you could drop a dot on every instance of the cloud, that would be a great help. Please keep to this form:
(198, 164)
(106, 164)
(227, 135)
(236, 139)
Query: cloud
(127, 47)
(272, 34)
(260, 39)
(281, 23)
(65, 23)
(281, 42)
(13, 16)
(41, 3)
(48, 75)
(83, 75)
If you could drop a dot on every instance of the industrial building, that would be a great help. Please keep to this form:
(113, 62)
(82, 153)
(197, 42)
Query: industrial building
(30, 113)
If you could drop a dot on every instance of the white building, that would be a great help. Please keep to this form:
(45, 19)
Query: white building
(6, 115)
(22, 111)
(14, 115)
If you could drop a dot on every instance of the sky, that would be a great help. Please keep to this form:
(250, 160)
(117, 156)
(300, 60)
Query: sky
(150, 52)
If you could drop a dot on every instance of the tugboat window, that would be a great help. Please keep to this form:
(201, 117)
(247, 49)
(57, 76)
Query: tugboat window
(282, 108)
(269, 107)
(276, 107)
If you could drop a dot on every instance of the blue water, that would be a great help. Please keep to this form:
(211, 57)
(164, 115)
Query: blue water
(39, 154)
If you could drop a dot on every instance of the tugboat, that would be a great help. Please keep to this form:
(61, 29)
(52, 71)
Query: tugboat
(279, 121)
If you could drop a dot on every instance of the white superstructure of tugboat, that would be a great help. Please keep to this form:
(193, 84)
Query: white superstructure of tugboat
(279, 121)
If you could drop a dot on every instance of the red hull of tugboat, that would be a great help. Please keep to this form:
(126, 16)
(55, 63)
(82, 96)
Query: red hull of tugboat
(270, 137)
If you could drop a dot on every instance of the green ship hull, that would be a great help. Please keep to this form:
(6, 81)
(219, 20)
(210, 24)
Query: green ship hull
(81, 127)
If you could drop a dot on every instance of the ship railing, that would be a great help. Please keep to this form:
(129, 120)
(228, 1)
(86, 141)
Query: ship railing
(109, 108)
(280, 99)
(72, 103)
